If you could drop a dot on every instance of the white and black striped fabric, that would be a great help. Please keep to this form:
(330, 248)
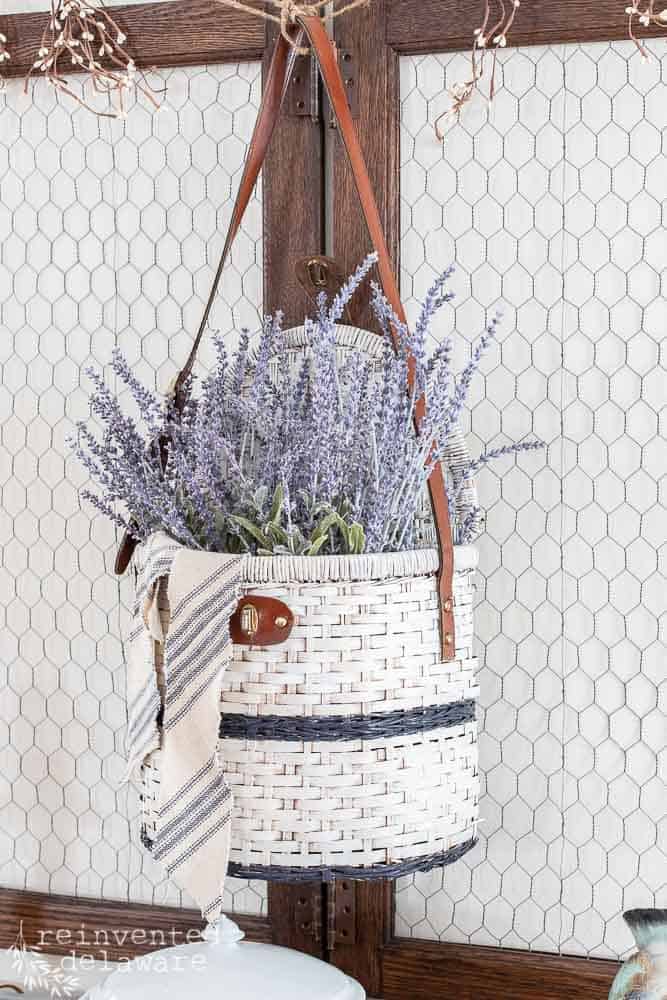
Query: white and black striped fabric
(177, 708)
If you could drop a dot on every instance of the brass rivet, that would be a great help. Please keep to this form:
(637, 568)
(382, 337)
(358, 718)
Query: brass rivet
(281, 621)
(448, 605)
(448, 638)
(249, 619)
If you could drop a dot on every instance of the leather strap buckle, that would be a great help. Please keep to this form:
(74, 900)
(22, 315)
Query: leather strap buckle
(261, 621)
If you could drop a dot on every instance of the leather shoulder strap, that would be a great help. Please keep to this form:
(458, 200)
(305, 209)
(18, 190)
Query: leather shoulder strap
(273, 96)
(328, 63)
(275, 88)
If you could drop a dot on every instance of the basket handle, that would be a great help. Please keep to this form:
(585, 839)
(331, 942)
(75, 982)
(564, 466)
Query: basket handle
(275, 89)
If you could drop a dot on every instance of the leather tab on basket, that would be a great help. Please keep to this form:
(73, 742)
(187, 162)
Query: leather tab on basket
(261, 621)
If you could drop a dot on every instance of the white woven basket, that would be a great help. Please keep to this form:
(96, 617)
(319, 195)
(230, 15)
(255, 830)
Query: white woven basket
(394, 785)
(351, 748)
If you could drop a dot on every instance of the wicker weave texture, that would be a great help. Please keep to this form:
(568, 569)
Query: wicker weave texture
(359, 647)
(357, 803)
(356, 648)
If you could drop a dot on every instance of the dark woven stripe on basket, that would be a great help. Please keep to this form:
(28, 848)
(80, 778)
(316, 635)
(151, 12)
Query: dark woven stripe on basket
(377, 725)
(320, 873)
(425, 863)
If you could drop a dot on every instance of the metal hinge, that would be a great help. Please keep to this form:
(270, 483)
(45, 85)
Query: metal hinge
(304, 92)
(341, 914)
(308, 915)
(303, 97)
(347, 61)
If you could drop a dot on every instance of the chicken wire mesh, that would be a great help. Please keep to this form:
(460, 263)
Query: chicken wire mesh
(110, 235)
(552, 201)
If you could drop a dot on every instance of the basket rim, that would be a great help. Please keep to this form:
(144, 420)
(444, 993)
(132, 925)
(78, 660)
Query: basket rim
(296, 338)
(354, 569)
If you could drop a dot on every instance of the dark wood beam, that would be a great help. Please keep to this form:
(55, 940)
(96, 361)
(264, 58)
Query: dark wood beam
(421, 970)
(297, 913)
(361, 32)
(104, 929)
(293, 212)
(415, 26)
(293, 206)
(160, 34)
(373, 919)
(377, 108)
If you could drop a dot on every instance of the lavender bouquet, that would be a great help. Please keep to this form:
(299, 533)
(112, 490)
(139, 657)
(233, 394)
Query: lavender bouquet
(265, 459)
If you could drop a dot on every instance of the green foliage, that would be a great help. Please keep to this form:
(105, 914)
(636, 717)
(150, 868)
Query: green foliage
(335, 533)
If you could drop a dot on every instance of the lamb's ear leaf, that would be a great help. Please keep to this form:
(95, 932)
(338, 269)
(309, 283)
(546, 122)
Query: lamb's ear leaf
(274, 530)
(330, 521)
(296, 543)
(277, 504)
(344, 529)
(252, 530)
(344, 507)
(357, 537)
(323, 507)
(315, 547)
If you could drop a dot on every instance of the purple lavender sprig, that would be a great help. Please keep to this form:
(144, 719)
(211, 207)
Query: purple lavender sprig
(492, 455)
(322, 457)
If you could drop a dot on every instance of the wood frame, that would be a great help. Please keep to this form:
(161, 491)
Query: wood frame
(394, 968)
(379, 34)
(415, 26)
(199, 32)
(103, 929)
(422, 970)
(160, 34)
(293, 206)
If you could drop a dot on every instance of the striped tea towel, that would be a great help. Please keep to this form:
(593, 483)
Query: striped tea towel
(195, 803)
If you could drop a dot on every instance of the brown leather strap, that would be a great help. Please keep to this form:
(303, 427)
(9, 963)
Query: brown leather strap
(326, 57)
(273, 96)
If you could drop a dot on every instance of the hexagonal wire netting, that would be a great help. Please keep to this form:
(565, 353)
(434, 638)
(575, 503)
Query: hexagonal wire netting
(111, 233)
(552, 202)
(542, 201)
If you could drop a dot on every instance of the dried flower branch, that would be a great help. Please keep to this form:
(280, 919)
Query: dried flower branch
(321, 459)
(488, 37)
(82, 34)
(646, 15)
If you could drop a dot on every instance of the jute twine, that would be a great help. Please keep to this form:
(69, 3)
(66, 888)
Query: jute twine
(287, 12)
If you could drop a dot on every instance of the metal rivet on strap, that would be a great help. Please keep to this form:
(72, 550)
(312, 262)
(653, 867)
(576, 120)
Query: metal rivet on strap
(448, 638)
(249, 619)
(281, 621)
(448, 604)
